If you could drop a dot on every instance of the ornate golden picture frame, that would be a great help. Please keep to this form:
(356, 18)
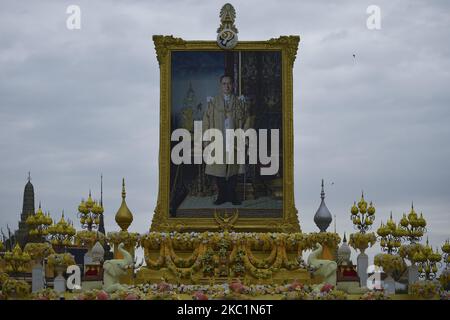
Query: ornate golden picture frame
(226, 220)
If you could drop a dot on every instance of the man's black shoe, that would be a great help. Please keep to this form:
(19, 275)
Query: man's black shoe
(236, 202)
(219, 201)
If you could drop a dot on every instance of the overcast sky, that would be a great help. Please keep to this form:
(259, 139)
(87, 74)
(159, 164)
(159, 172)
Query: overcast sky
(78, 103)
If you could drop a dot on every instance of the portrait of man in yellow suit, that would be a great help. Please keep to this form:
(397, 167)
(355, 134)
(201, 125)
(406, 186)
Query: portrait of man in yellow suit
(226, 111)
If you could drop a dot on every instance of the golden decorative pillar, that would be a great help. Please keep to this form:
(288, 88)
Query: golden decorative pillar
(124, 218)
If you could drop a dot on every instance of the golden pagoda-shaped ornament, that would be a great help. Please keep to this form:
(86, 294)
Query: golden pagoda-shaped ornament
(124, 217)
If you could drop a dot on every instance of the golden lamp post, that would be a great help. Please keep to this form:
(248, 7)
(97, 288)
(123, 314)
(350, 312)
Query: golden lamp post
(445, 275)
(427, 261)
(446, 250)
(413, 225)
(362, 216)
(38, 224)
(390, 235)
(62, 233)
(16, 260)
(89, 213)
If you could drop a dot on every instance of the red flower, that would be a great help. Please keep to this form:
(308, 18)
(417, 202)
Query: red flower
(296, 285)
(327, 288)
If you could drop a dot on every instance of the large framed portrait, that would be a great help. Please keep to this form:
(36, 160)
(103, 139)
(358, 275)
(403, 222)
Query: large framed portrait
(226, 136)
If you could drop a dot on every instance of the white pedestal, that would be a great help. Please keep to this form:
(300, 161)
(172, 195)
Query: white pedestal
(59, 284)
(362, 265)
(37, 278)
(413, 274)
(389, 285)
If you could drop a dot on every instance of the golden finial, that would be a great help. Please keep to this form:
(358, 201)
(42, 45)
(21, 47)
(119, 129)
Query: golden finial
(124, 217)
(123, 189)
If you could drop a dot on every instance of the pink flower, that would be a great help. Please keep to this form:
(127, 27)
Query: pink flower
(102, 295)
(237, 287)
(198, 295)
(163, 286)
(131, 296)
(296, 285)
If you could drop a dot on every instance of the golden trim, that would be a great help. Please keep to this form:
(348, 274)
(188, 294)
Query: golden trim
(161, 221)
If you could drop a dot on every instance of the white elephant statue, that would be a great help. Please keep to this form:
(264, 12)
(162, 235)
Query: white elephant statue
(114, 269)
(324, 268)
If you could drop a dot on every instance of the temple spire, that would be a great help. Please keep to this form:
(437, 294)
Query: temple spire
(28, 209)
(28, 199)
(101, 226)
(101, 189)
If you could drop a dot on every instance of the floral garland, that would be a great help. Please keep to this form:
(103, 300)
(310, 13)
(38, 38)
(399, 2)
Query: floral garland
(93, 294)
(261, 263)
(125, 237)
(45, 294)
(296, 295)
(182, 262)
(375, 295)
(182, 272)
(190, 240)
(240, 260)
(328, 239)
(297, 291)
(235, 289)
(290, 265)
(158, 264)
(331, 295)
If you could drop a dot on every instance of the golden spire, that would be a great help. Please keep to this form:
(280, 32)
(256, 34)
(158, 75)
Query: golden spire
(124, 217)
